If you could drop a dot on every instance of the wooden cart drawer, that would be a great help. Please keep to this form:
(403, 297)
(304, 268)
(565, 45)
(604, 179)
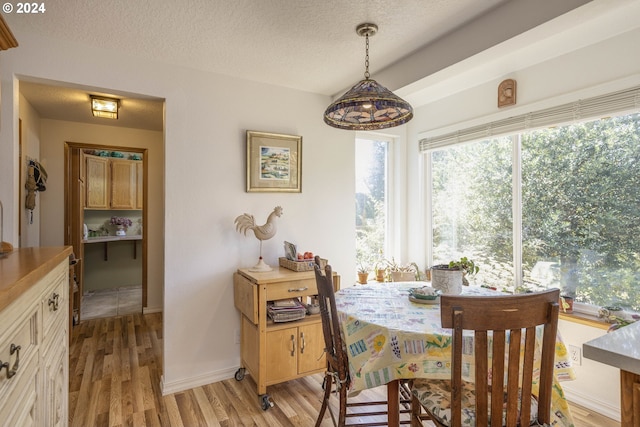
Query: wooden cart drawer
(291, 289)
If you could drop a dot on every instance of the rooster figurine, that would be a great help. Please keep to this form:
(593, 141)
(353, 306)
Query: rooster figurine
(246, 222)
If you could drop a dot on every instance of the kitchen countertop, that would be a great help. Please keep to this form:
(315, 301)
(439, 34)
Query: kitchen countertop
(618, 348)
(22, 268)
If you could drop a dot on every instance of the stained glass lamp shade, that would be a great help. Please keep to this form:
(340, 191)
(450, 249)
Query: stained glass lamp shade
(368, 105)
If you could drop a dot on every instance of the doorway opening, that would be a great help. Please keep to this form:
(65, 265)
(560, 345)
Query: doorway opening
(105, 215)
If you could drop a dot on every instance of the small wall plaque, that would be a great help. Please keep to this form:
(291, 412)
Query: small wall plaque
(507, 93)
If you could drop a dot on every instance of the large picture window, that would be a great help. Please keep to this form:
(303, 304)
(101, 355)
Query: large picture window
(558, 207)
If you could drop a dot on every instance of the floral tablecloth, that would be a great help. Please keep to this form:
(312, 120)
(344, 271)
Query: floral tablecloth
(389, 337)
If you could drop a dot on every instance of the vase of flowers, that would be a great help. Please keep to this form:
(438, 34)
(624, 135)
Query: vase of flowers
(121, 224)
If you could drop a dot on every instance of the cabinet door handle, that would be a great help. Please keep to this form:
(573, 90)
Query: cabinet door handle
(54, 301)
(302, 342)
(14, 370)
(293, 345)
(298, 289)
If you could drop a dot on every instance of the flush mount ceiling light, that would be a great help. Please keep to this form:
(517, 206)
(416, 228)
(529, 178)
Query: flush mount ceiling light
(368, 105)
(104, 107)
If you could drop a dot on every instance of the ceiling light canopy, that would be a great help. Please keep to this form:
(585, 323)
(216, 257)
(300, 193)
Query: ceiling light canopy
(368, 105)
(104, 107)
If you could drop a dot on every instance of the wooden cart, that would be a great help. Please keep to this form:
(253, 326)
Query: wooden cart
(277, 352)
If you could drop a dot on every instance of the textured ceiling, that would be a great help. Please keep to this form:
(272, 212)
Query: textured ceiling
(293, 43)
(308, 45)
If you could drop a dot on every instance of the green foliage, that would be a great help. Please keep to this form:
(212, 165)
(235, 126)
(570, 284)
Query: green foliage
(466, 265)
(580, 209)
(370, 210)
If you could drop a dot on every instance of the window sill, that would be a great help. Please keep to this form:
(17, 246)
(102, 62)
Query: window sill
(585, 319)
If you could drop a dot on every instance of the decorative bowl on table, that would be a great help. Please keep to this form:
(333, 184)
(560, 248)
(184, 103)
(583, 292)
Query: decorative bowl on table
(424, 295)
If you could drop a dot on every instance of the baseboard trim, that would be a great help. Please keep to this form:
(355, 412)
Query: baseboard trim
(197, 381)
(603, 408)
(149, 310)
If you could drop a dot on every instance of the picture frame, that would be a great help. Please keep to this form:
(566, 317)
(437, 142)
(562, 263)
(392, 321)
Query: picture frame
(274, 162)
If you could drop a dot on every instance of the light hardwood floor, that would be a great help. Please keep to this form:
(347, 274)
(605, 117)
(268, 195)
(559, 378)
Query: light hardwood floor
(115, 368)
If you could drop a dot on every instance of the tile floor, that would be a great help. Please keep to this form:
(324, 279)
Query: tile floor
(112, 302)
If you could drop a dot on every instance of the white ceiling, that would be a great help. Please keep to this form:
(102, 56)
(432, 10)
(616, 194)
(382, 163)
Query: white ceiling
(308, 45)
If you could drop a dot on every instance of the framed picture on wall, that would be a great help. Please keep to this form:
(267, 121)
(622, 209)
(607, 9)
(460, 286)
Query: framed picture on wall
(274, 162)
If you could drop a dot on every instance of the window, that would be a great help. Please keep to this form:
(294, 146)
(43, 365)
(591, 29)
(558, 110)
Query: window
(557, 207)
(581, 209)
(471, 208)
(372, 201)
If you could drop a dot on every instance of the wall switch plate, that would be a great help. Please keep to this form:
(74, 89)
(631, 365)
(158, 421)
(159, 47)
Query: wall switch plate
(237, 336)
(575, 353)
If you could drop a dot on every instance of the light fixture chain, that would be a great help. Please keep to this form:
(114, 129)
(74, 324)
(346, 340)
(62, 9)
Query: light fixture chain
(366, 58)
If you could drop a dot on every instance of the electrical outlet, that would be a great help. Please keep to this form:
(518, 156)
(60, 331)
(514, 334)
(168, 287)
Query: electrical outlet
(237, 336)
(576, 354)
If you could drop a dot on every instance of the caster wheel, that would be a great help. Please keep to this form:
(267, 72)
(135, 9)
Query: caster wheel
(240, 374)
(266, 402)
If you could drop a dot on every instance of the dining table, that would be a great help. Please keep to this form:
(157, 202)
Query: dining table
(391, 336)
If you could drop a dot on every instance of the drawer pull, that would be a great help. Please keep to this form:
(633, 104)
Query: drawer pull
(302, 344)
(298, 289)
(293, 345)
(11, 372)
(54, 301)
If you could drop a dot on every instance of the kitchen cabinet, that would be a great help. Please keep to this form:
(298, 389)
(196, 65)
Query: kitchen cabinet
(139, 180)
(112, 183)
(34, 346)
(97, 182)
(123, 183)
(294, 352)
(276, 352)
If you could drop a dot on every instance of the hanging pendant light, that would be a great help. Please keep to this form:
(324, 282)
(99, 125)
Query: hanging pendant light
(368, 105)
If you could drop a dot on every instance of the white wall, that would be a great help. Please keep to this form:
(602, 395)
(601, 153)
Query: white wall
(206, 118)
(571, 65)
(597, 386)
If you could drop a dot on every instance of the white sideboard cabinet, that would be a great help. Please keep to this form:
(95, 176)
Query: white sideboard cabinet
(34, 340)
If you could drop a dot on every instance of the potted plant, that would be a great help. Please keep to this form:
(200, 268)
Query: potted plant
(363, 274)
(122, 224)
(566, 304)
(467, 266)
(449, 278)
(380, 270)
(401, 272)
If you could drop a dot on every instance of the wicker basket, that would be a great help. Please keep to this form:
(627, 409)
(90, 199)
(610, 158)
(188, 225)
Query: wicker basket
(305, 265)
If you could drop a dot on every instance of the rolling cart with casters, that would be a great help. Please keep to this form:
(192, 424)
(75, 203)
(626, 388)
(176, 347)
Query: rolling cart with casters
(273, 352)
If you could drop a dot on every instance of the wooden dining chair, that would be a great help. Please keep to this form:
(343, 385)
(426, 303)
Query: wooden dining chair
(360, 412)
(508, 361)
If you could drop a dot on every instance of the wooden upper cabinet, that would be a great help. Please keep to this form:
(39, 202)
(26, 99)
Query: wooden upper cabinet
(139, 190)
(124, 180)
(97, 182)
(113, 183)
